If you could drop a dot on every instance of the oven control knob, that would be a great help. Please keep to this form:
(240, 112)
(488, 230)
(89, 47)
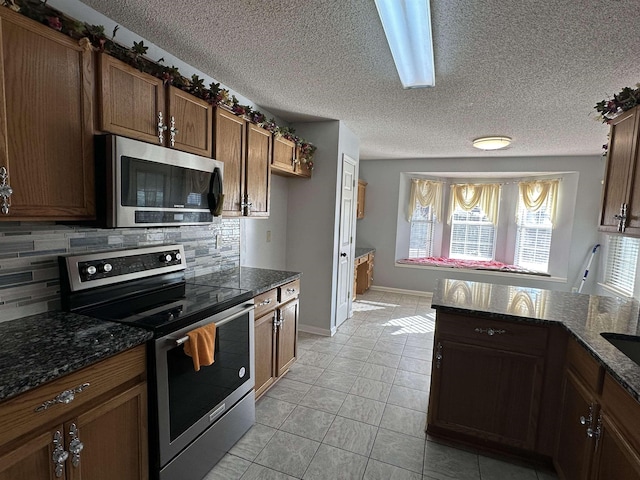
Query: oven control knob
(166, 258)
(178, 257)
(105, 267)
(90, 270)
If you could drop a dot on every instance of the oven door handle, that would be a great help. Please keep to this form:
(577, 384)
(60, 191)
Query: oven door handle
(247, 308)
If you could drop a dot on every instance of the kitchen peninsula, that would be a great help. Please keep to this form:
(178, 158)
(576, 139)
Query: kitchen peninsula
(526, 372)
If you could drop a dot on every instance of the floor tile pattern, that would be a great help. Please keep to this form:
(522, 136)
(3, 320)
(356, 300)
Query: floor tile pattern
(354, 407)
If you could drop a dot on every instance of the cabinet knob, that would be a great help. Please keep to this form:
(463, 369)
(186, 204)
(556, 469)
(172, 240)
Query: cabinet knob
(59, 455)
(490, 331)
(67, 396)
(75, 445)
(5, 191)
(172, 132)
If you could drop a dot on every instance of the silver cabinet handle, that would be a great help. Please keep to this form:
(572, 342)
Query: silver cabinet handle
(276, 322)
(5, 191)
(63, 397)
(75, 445)
(588, 421)
(264, 302)
(291, 290)
(622, 218)
(490, 331)
(246, 205)
(439, 355)
(161, 128)
(172, 132)
(59, 454)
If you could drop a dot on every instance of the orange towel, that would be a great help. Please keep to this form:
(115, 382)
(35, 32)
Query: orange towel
(201, 345)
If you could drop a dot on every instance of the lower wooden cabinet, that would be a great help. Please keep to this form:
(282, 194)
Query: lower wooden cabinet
(93, 437)
(363, 278)
(276, 334)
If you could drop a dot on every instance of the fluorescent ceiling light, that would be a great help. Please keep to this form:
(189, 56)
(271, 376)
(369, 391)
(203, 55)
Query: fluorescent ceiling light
(491, 143)
(407, 25)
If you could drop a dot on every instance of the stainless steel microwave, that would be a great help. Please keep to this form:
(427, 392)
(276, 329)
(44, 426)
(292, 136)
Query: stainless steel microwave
(143, 185)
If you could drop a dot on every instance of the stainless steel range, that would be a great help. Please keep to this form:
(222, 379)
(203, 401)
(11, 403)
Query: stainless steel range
(194, 416)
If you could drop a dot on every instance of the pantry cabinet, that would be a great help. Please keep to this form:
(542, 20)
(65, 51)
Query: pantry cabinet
(46, 123)
(276, 333)
(620, 210)
(100, 433)
(245, 149)
(137, 105)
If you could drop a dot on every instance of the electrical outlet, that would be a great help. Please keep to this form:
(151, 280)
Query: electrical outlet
(268, 236)
(218, 241)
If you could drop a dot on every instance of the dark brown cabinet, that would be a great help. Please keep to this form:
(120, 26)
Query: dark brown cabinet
(276, 334)
(492, 383)
(46, 123)
(245, 149)
(137, 105)
(621, 195)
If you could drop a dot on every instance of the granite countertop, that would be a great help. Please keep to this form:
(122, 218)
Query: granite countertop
(583, 316)
(362, 251)
(43, 347)
(256, 280)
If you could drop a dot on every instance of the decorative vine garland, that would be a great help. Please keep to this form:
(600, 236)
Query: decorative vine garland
(625, 100)
(39, 11)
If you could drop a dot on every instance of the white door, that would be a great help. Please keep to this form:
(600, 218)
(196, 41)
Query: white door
(347, 233)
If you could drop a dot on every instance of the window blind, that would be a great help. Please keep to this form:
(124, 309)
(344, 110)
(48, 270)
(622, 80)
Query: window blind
(421, 234)
(622, 260)
(533, 235)
(472, 235)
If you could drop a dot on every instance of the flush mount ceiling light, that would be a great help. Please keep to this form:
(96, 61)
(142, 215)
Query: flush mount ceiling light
(407, 25)
(491, 143)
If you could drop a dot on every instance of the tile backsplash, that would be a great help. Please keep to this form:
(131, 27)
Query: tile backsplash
(29, 277)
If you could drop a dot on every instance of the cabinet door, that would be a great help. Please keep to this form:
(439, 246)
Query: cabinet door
(574, 447)
(622, 152)
(287, 336)
(283, 159)
(193, 119)
(370, 271)
(114, 439)
(265, 349)
(487, 393)
(46, 121)
(130, 101)
(229, 148)
(258, 172)
(362, 188)
(614, 458)
(33, 459)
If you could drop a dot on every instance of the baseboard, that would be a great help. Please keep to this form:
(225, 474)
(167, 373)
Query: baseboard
(403, 291)
(315, 330)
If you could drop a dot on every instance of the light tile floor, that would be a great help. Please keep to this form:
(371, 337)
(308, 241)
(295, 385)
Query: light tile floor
(354, 407)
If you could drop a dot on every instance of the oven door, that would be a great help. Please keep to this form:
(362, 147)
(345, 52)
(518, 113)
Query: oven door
(189, 402)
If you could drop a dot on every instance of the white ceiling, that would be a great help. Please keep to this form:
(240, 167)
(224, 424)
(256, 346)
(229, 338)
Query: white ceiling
(531, 70)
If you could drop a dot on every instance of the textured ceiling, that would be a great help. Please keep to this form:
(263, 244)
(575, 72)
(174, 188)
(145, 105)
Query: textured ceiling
(530, 70)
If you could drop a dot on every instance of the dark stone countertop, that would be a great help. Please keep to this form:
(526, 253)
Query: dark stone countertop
(45, 346)
(583, 316)
(362, 251)
(256, 280)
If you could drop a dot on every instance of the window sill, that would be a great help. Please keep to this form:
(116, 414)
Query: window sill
(529, 276)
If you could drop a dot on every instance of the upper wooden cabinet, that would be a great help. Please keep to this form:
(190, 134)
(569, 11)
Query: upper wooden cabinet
(245, 149)
(362, 189)
(46, 123)
(621, 194)
(286, 159)
(137, 105)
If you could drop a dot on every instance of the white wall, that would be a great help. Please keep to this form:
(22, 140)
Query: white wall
(255, 248)
(378, 228)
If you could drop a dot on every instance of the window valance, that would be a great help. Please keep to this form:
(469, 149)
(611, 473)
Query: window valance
(467, 196)
(427, 193)
(540, 193)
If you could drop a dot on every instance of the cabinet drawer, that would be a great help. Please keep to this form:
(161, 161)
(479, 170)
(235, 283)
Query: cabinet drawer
(288, 291)
(493, 333)
(585, 366)
(361, 260)
(19, 416)
(265, 301)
